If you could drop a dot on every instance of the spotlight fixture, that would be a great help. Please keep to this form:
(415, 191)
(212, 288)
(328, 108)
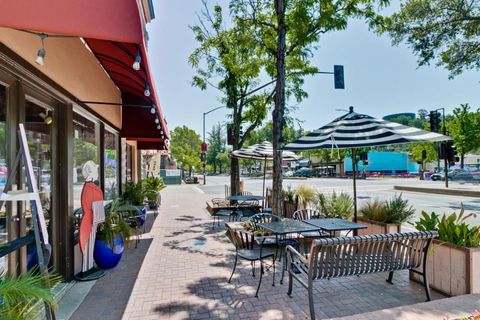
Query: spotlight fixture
(157, 121)
(136, 63)
(147, 90)
(40, 60)
(47, 118)
(152, 110)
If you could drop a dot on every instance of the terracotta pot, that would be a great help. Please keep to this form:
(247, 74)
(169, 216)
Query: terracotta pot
(289, 207)
(452, 270)
(375, 227)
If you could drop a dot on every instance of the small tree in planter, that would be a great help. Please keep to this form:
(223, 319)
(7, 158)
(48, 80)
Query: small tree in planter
(152, 187)
(454, 259)
(135, 195)
(113, 233)
(385, 217)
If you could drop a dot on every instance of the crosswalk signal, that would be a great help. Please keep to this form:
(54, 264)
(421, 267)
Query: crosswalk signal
(338, 76)
(435, 121)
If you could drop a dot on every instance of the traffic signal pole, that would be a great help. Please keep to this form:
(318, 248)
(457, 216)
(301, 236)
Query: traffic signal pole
(434, 127)
(445, 153)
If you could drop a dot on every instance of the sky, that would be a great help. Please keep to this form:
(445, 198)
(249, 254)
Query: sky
(380, 79)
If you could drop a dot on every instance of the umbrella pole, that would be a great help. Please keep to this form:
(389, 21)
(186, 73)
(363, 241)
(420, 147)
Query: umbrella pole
(264, 174)
(354, 165)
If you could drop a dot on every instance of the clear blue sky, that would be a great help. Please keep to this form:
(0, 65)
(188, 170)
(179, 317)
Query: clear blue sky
(380, 79)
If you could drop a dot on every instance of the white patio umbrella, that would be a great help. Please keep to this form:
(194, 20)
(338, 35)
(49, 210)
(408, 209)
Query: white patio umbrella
(263, 151)
(355, 130)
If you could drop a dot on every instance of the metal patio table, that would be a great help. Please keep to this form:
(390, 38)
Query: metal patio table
(331, 225)
(281, 229)
(242, 199)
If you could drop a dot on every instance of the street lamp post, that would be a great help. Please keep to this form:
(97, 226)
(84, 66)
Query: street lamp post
(204, 156)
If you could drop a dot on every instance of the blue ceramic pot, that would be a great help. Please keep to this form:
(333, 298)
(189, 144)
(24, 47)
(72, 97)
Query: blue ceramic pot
(107, 256)
(141, 217)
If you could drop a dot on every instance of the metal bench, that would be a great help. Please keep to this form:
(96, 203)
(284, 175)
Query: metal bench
(354, 256)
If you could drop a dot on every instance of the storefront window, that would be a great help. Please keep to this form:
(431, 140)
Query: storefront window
(111, 165)
(3, 173)
(38, 128)
(85, 154)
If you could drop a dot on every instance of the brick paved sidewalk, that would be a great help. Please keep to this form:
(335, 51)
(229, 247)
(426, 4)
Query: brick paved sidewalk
(185, 271)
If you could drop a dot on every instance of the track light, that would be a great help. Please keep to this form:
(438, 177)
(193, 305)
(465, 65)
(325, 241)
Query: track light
(40, 60)
(152, 110)
(47, 118)
(136, 63)
(147, 90)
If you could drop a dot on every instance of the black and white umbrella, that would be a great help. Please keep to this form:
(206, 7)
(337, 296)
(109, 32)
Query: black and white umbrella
(263, 151)
(355, 130)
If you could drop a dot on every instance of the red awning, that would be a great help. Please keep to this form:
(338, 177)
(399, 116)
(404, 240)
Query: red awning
(114, 31)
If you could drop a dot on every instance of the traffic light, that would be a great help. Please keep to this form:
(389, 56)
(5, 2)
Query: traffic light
(424, 155)
(435, 121)
(203, 156)
(338, 77)
(450, 152)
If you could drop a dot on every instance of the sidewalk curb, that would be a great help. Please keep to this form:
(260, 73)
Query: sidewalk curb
(451, 192)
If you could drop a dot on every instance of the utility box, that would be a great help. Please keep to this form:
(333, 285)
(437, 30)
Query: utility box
(171, 176)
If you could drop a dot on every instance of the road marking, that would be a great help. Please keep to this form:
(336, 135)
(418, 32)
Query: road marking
(198, 190)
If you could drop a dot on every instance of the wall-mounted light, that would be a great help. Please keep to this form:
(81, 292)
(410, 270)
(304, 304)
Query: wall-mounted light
(136, 63)
(161, 132)
(47, 118)
(147, 90)
(40, 60)
(157, 121)
(152, 110)
(158, 127)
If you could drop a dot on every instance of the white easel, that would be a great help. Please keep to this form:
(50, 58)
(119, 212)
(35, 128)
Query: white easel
(44, 249)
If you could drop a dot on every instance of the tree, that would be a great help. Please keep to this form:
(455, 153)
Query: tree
(223, 159)
(185, 146)
(287, 33)
(290, 133)
(416, 150)
(445, 31)
(464, 128)
(228, 60)
(216, 145)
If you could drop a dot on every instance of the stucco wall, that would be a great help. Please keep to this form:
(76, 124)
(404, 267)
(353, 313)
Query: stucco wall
(71, 65)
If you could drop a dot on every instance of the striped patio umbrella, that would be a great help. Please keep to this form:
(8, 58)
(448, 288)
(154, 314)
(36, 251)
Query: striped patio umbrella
(355, 130)
(263, 151)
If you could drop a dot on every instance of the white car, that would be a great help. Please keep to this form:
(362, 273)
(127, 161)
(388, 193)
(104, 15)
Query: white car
(288, 173)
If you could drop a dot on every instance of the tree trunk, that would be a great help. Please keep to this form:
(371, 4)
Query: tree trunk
(462, 159)
(277, 205)
(234, 176)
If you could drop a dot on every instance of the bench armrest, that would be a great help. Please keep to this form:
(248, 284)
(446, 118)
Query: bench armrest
(292, 254)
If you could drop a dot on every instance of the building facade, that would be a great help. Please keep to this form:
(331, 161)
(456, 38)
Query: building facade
(84, 104)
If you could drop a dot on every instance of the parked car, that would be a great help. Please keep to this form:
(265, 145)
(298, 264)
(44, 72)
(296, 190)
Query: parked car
(304, 172)
(288, 173)
(456, 175)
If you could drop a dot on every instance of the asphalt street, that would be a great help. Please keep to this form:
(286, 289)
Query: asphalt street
(366, 189)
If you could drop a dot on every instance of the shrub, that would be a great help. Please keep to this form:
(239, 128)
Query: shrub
(452, 228)
(395, 210)
(134, 193)
(333, 206)
(288, 194)
(304, 195)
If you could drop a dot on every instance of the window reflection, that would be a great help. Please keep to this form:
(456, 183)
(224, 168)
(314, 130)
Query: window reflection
(3, 174)
(111, 165)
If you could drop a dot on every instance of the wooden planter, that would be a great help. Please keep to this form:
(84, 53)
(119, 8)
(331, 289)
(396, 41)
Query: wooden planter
(289, 207)
(375, 227)
(452, 270)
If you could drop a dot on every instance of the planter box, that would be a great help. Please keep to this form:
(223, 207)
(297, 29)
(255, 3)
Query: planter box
(375, 227)
(452, 270)
(289, 207)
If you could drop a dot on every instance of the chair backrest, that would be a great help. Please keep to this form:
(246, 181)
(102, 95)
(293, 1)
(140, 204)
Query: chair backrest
(242, 239)
(347, 256)
(305, 214)
(262, 218)
(244, 193)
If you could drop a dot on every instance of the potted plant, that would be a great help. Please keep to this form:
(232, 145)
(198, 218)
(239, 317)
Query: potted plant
(333, 205)
(304, 195)
(385, 217)
(454, 258)
(19, 295)
(134, 194)
(152, 187)
(113, 233)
